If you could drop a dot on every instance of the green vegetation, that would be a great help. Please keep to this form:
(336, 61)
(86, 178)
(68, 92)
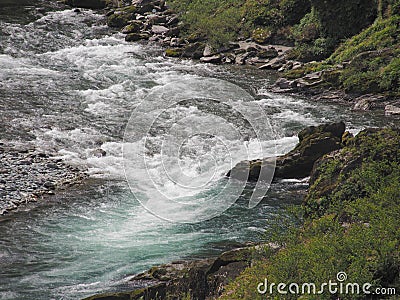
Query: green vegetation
(367, 62)
(364, 63)
(222, 21)
(351, 225)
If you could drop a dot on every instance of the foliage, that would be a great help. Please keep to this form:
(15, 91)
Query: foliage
(342, 18)
(370, 60)
(357, 230)
(223, 21)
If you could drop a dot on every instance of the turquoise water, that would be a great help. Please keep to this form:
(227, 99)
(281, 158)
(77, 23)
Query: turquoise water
(69, 85)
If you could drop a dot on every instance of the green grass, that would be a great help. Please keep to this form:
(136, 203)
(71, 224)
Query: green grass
(354, 229)
(371, 60)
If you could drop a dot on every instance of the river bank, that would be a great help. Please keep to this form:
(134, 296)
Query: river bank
(29, 175)
(77, 83)
(331, 80)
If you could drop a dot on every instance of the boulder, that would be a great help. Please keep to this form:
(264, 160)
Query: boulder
(122, 17)
(194, 50)
(215, 59)
(314, 142)
(269, 52)
(274, 64)
(158, 29)
(392, 110)
(132, 27)
(133, 37)
(156, 19)
(173, 52)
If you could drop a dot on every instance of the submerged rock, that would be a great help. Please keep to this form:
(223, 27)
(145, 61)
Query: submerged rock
(314, 142)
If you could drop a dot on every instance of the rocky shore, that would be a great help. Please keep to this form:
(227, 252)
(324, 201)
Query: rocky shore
(154, 21)
(28, 175)
(197, 279)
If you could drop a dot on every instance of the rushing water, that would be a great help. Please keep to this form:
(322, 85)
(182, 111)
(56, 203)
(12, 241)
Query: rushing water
(69, 84)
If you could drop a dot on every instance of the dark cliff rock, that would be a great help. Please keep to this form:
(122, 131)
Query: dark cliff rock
(198, 279)
(332, 171)
(314, 142)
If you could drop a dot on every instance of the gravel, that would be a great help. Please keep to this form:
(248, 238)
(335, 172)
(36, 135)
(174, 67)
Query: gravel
(28, 175)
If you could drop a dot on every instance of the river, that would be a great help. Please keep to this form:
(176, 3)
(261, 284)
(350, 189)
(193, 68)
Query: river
(69, 85)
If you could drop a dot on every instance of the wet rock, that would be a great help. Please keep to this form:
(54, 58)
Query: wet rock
(132, 27)
(363, 104)
(173, 52)
(122, 17)
(392, 110)
(98, 153)
(216, 59)
(198, 279)
(158, 29)
(314, 142)
(194, 50)
(285, 84)
(134, 37)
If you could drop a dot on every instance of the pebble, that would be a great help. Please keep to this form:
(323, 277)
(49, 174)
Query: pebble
(27, 175)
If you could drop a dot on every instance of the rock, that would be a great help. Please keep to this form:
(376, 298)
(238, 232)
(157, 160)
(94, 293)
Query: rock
(198, 279)
(175, 42)
(285, 84)
(133, 37)
(93, 4)
(122, 16)
(363, 104)
(274, 64)
(241, 58)
(194, 50)
(314, 142)
(208, 51)
(132, 27)
(174, 20)
(155, 19)
(392, 110)
(173, 52)
(269, 52)
(216, 59)
(173, 32)
(229, 58)
(158, 29)
(98, 153)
